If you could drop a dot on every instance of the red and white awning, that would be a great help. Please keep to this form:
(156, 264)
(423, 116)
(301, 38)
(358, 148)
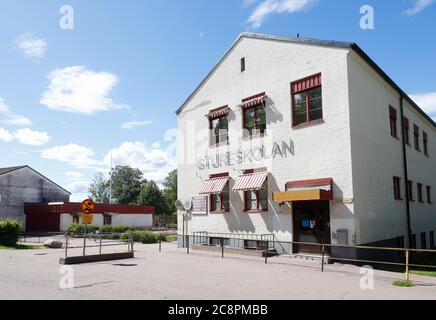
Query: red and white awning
(218, 112)
(250, 182)
(258, 100)
(214, 186)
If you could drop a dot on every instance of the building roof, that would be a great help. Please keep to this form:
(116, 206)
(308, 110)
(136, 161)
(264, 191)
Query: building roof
(11, 169)
(325, 43)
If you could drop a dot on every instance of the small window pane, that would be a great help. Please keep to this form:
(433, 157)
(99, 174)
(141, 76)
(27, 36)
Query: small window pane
(249, 118)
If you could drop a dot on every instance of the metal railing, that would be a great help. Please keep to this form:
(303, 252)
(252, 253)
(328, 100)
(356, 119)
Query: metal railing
(40, 237)
(402, 259)
(98, 240)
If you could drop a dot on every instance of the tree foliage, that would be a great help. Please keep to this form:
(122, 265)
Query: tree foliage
(126, 184)
(170, 191)
(99, 189)
(153, 196)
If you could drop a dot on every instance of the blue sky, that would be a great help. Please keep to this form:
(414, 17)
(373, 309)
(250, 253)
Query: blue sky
(67, 96)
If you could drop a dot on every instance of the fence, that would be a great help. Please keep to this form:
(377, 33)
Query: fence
(41, 237)
(397, 259)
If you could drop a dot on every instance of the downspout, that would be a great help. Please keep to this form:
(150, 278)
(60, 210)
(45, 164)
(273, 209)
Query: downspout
(406, 171)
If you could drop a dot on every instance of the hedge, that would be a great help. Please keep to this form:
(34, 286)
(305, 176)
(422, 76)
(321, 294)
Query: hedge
(80, 228)
(144, 237)
(9, 232)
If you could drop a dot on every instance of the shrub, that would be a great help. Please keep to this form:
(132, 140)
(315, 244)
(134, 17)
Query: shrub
(9, 232)
(144, 237)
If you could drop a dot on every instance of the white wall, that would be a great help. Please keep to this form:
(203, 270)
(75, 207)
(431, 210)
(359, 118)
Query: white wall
(321, 151)
(377, 158)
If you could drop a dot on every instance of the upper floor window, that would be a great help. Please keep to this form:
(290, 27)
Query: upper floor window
(393, 121)
(406, 128)
(219, 126)
(397, 188)
(254, 114)
(416, 136)
(429, 195)
(420, 195)
(425, 141)
(409, 190)
(242, 64)
(307, 100)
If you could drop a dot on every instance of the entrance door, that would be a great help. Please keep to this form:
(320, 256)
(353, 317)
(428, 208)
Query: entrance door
(311, 225)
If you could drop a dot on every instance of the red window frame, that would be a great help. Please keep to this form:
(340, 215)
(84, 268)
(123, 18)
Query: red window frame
(212, 134)
(425, 141)
(305, 85)
(429, 195)
(397, 188)
(393, 118)
(221, 209)
(409, 191)
(416, 137)
(420, 194)
(256, 108)
(246, 209)
(406, 128)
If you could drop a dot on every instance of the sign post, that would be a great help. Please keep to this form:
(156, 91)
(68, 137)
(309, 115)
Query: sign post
(88, 208)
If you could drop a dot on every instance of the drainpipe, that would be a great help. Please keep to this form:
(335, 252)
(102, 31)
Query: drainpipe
(406, 171)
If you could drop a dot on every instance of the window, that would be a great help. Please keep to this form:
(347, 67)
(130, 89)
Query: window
(413, 241)
(409, 191)
(219, 130)
(416, 135)
(242, 64)
(423, 240)
(107, 220)
(425, 141)
(76, 219)
(216, 242)
(406, 128)
(397, 188)
(420, 195)
(255, 245)
(429, 195)
(432, 240)
(393, 121)
(307, 100)
(220, 202)
(255, 120)
(257, 200)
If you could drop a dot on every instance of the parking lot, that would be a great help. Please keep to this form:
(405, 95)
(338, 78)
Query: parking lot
(172, 274)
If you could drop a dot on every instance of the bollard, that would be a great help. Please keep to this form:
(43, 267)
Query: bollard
(407, 265)
(266, 252)
(66, 247)
(222, 248)
(101, 240)
(187, 244)
(323, 258)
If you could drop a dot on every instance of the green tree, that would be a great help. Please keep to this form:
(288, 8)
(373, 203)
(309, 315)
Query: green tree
(99, 189)
(126, 184)
(153, 196)
(170, 191)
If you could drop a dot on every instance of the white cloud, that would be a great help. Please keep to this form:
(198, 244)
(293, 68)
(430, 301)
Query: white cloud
(18, 120)
(31, 46)
(4, 108)
(32, 138)
(427, 101)
(72, 154)
(269, 7)
(419, 6)
(74, 174)
(5, 135)
(80, 90)
(154, 162)
(135, 124)
(78, 187)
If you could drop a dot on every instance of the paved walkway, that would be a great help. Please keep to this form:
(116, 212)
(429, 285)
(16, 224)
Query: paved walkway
(172, 274)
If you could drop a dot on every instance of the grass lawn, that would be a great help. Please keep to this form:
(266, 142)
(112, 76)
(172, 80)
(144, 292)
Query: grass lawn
(424, 273)
(403, 283)
(21, 247)
(171, 238)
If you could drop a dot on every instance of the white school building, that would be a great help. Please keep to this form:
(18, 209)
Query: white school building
(308, 141)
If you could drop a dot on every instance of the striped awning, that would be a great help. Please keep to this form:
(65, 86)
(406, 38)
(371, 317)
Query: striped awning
(257, 100)
(214, 186)
(218, 112)
(250, 182)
